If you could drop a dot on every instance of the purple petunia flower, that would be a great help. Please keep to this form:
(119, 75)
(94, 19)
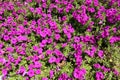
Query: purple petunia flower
(21, 70)
(116, 72)
(21, 38)
(79, 73)
(6, 37)
(57, 36)
(97, 65)
(31, 73)
(2, 51)
(2, 60)
(76, 39)
(40, 50)
(100, 53)
(63, 76)
(96, 2)
(48, 52)
(1, 45)
(51, 73)
(44, 78)
(64, 18)
(13, 41)
(64, 45)
(99, 76)
(52, 59)
(91, 52)
(43, 34)
(31, 66)
(105, 69)
(4, 72)
(37, 71)
(10, 49)
(37, 64)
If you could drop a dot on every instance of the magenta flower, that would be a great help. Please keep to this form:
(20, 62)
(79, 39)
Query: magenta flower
(31, 66)
(69, 35)
(22, 52)
(97, 65)
(31, 9)
(114, 30)
(31, 73)
(64, 18)
(21, 38)
(21, 70)
(43, 34)
(64, 45)
(40, 50)
(114, 39)
(69, 7)
(116, 72)
(6, 37)
(63, 76)
(29, 1)
(2, 60)
(37, 64)
(96, 2)
(92, 10)
(49, 52)
(99, 76)
(79, 73)
(4, 72)
(90, 53)
(51, 73)
(35, 48)
(50, 40)
(78, 60)
(52, 59)
(10, 49)
(76, 39)
(1, 45)
(88, 2)
(42, 45)
(13, 41)
(44, 41)
(65, 30)
(37, 71)
(57, 36)
(105, 69)
(44, 78)
(100, 53)
(2, 52)
(35, 58)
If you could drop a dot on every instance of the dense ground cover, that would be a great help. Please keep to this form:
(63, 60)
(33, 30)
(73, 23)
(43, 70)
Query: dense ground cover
(60, 40)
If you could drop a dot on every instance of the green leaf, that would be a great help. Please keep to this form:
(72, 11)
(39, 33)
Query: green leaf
(109, 77)
(58, 46)
(88, 59)
(92, 78)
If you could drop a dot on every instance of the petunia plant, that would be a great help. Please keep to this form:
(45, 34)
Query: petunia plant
(59, 39)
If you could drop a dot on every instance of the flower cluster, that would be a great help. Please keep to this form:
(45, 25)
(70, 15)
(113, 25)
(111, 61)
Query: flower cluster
(59, 39)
